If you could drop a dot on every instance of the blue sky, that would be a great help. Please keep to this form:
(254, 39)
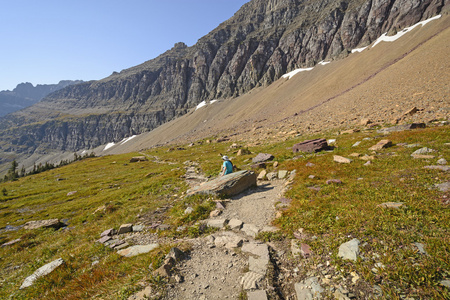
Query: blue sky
(44, 41)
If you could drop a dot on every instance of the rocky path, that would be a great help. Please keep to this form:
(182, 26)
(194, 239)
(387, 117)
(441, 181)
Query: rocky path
(225, 264)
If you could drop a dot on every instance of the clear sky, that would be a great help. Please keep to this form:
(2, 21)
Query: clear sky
(45, 41)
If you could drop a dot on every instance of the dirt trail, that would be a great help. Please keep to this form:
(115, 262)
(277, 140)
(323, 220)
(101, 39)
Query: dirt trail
(215, 272)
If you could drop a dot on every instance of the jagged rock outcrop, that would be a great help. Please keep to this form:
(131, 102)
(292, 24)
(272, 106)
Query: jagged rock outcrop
(25, 94)
(262, 41)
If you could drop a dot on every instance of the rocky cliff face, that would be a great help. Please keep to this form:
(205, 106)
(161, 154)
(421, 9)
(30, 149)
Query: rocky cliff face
(262, 41)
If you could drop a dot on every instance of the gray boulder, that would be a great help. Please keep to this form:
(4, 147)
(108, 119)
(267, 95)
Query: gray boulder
(349, 250)
(228, 185)
(42, 271)
(311, 146)
(262, 157)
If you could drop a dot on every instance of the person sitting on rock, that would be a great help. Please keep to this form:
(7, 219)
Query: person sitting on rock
(227, 166)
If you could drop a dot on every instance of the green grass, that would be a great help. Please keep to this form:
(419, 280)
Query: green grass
(335, 214)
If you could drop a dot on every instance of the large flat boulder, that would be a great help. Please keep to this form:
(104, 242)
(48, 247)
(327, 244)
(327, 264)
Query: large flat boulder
(228, 185)
(311, 146)
(402, 127)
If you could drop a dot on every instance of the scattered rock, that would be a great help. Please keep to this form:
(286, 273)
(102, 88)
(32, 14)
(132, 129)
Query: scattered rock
(333, 181)
(395, 205)
(257, 295)
(310, 146)
(262, 157)
(365, 122)
(215, 213)
(42, 271)
(271, 175)
(262, 175)
(423, 150)
(108, 232)
(309, 164)
(188, 210)
(350, 131)
(235, 224)
(295, 249)
(305, 250)
(138, 228)
(136, 250)
(243, 151)
(229, 185)
(341, 159)
(124, 228)
(282, 174)
(441, 161)
(410, 111)
(11, 242)
(349, 250)
(402, 127)
(381, 145)
(443, 187)
(445, 283)
(250, 230)
(259, 166)
(216, 223)
(442, 168)
(104, 239)
(421, 248)
(176, 254)
(251, 280)
(308, 289)
(356, 144)
(146, 293)
(72, 193)
(53, 223)
(138, 159)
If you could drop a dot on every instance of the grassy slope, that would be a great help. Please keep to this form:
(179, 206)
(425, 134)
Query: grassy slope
(126, 191)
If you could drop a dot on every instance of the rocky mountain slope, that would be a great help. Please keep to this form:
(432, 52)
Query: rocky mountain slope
(25, 94)
(261, 42)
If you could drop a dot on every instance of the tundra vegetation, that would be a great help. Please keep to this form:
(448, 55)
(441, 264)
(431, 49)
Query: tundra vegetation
(334, 214)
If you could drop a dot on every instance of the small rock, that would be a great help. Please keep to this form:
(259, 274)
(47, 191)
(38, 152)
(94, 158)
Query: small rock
(257, 295)
(349, 250)
(341, 159)
(334, 181)
(381, 145)
(311, 176)
(136, 250)
(423, 150)
(188, 210)
(53, 223)
(138, 228)
(421, 248)
(443, 187)
(11, 242)
(395, 205)
(309, 289)
(272, 175)
(215, 213)
(356, 144)
(282, 174)
(138, 159)
(217, 223)
(108, 232)
(124, 228)
(441, 161)
(305, 250)
(42, 271)
(71, 193)
(235, 224)
(442, 168)
(176, 254)
(445, 283)
(251, 280)
(262, 175)
(250, 230)
(309, 164)
(262, 157)
(295, 249)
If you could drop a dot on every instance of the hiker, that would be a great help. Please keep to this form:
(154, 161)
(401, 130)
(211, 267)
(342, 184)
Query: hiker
(227, 166)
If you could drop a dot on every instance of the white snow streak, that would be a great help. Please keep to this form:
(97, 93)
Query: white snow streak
(109, 145)
(359, 49)
(127, 139)
(200, 105)
(323, 63)
(384, 38)
(292, 73)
